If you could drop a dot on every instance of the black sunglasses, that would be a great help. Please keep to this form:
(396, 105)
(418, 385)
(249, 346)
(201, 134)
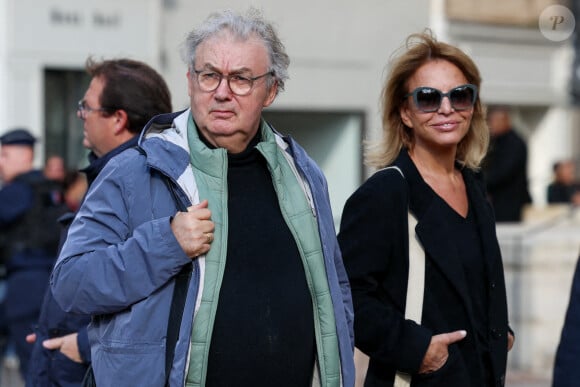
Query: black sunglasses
(428, 99)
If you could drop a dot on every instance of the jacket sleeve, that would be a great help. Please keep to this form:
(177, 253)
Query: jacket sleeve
(372, 235)
(116, 252)
(346, 293)
(83, 345)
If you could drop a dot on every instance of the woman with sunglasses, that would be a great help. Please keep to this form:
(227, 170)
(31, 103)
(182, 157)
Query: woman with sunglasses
(434, 138)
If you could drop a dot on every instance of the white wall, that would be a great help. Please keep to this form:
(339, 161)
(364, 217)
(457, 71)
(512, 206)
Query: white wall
(549, 141)
(62, 34)
(539, 260)
(523, 69)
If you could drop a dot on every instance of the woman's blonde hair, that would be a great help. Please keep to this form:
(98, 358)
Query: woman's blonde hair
(419, 49)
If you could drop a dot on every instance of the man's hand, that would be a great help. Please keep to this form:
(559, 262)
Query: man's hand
(194, 229)
(511, 340)
(31, 338)
(67, 345)
(437, 352)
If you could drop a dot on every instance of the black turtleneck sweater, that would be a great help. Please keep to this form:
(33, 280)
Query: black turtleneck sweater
(263, 333)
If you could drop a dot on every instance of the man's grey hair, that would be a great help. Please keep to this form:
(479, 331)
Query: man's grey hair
(242, 27)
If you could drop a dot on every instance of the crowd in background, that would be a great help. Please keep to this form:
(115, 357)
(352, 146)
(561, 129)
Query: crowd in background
(32, 201)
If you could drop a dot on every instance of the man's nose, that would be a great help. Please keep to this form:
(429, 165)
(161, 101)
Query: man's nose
(223, 89)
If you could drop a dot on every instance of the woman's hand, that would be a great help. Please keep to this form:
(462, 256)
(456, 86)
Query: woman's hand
(511, 340)
(437, 352)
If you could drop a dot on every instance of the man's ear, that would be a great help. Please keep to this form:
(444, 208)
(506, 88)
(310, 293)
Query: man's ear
(271, 96)
(121, 120)
(189, 83)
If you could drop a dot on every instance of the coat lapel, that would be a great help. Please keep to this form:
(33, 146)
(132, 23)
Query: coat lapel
(441, 250)
(432, 229)
(485, 223)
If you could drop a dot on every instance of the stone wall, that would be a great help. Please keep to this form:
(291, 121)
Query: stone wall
(539, 260)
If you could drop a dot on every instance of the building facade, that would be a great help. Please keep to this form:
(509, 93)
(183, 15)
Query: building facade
(338, 54)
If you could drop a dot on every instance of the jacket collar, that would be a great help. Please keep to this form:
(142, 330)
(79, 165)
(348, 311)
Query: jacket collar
(165, 141)
(96, 164)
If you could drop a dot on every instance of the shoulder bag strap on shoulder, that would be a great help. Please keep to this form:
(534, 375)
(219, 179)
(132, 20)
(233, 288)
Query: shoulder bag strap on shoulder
(415, 284)
(179, 294)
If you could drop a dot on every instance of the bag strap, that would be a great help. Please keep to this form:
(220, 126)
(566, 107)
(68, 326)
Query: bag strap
(179, 291)
(179, 295)
(416, 281)
(415, 284)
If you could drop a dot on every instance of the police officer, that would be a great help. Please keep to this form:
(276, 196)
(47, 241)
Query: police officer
(29, 207)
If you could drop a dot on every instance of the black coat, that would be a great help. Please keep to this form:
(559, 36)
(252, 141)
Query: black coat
(506, 176)
(566, 369)
(562, 193)
(374, 243)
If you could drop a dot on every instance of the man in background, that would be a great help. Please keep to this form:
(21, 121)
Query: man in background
(564, 189)
(122, 96)
(505, 167)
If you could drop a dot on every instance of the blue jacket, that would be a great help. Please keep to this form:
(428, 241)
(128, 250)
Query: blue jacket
(50, 367)
(120, 257)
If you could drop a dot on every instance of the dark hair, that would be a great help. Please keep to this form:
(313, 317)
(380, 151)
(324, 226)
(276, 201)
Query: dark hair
(71, 177)
(131, 86)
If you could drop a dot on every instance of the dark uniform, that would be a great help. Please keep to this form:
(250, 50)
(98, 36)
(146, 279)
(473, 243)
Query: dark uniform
(29, 207)
(52, 368)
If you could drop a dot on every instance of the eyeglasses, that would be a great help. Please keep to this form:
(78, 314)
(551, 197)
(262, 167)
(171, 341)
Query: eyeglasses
(239, 85)
(83, 109)
(428, 99)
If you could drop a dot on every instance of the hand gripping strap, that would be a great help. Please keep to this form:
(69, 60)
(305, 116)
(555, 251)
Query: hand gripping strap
(182, 279)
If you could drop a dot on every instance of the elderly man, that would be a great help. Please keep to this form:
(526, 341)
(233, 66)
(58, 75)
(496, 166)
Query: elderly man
(505, 167)
(122, 96)
(267, 302)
